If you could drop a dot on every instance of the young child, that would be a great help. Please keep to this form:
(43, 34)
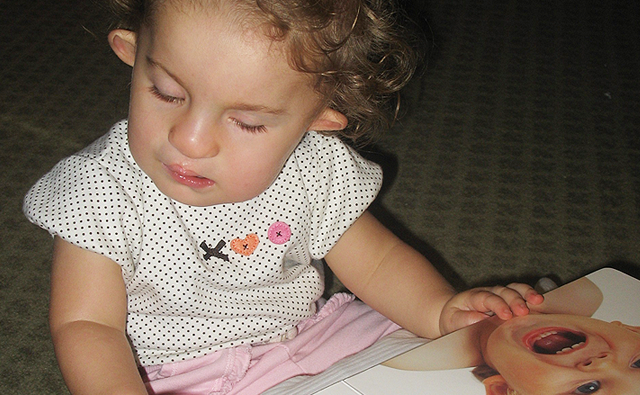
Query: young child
(184, 238)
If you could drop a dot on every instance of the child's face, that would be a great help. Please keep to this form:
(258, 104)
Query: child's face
(215, 110)
(566, 354)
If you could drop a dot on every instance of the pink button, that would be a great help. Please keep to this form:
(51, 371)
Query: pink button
(279, 233)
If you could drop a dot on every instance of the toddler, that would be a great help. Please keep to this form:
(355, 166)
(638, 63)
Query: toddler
(185, 238)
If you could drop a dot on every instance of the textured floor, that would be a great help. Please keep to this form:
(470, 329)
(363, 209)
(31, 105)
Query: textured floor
(518, 155)
(521, 154)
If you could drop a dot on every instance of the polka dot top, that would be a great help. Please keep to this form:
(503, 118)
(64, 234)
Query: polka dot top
(200, 279)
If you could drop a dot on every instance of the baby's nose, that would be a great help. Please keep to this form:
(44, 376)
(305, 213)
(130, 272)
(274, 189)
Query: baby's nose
(195, 138)
(596, 361)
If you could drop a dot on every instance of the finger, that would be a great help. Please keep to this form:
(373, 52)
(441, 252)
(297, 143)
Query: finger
(501, 307)
(517, 295)
(509, 302)
(486, 301)
(533, 297)
(529, 294)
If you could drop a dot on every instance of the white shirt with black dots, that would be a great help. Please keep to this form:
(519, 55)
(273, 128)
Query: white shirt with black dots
(200, 279)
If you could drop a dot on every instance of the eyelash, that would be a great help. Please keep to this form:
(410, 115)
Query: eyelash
(165, 98)
(176, 100)
(588, 388)
(249, 128)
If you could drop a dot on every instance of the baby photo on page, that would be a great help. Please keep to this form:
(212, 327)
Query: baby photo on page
(584, 339)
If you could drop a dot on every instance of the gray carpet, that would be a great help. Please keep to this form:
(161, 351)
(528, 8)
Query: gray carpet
(518, 155)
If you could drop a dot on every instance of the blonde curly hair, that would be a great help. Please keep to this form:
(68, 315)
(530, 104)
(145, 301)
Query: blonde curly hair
(356, 51)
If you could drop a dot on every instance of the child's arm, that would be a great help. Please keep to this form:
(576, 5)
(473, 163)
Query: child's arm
(87, 319)
(400, 283)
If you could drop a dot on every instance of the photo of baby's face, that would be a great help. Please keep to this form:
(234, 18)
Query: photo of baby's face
(566, 354)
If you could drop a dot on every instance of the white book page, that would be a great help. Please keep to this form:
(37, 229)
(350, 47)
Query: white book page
(362, 374)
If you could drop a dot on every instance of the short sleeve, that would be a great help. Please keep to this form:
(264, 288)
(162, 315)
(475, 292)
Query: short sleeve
(83, 203)
(340, 184)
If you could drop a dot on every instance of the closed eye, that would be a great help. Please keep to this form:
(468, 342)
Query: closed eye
(165, 98)
(249, 128)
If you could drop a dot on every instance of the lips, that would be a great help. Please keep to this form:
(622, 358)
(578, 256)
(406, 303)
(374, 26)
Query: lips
(187, 177)
(554, 341)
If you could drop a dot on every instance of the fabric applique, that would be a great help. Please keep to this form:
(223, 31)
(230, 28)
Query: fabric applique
(245, 246)
(279, 233)
(215, 252)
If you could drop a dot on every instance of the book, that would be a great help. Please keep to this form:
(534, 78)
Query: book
(402, 363)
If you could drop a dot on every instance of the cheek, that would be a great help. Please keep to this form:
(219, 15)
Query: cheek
(138, 142)
(505, 357)
(256, 171)
(522, 371)
(144, 108)
(142, 143)
(528, 378)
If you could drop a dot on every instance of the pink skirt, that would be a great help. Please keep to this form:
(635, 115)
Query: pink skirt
(342, 327)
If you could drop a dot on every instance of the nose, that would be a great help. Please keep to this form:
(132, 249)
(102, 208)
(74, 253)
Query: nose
(596, 361)
(195, 137)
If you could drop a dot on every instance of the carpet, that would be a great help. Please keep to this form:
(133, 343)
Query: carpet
(517, 155)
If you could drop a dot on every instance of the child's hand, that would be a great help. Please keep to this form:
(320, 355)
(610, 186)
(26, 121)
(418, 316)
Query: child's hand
(476, 304)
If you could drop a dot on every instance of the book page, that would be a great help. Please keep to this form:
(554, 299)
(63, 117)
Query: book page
(615, 298)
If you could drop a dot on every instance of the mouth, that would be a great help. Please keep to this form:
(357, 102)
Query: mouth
(555, 341)
(187, 177)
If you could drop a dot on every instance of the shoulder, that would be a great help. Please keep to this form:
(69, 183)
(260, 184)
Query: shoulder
(103, 167)
(332, 157)
(96, 181)
(91, 199)
(110, 153)
(340, 184)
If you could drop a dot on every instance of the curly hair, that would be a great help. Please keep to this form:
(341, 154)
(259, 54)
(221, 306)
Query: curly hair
(356, 50)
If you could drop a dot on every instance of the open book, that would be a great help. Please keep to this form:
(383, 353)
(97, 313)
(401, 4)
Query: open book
(577, 317)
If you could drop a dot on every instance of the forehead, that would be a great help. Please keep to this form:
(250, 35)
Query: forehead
(244, 13)
(215, 53)
(296, 46)
(241, 18)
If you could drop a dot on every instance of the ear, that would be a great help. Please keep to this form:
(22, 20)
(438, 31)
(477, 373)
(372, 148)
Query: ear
(329, 120)
(496, 385)
(123, 43)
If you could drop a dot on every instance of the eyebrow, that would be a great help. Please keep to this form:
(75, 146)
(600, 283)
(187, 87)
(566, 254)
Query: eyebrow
(237, 106)
(158, 65)
(258, 108)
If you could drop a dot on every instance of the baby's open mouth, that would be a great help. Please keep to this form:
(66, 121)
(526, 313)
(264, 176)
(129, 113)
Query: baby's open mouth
(555, 341)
